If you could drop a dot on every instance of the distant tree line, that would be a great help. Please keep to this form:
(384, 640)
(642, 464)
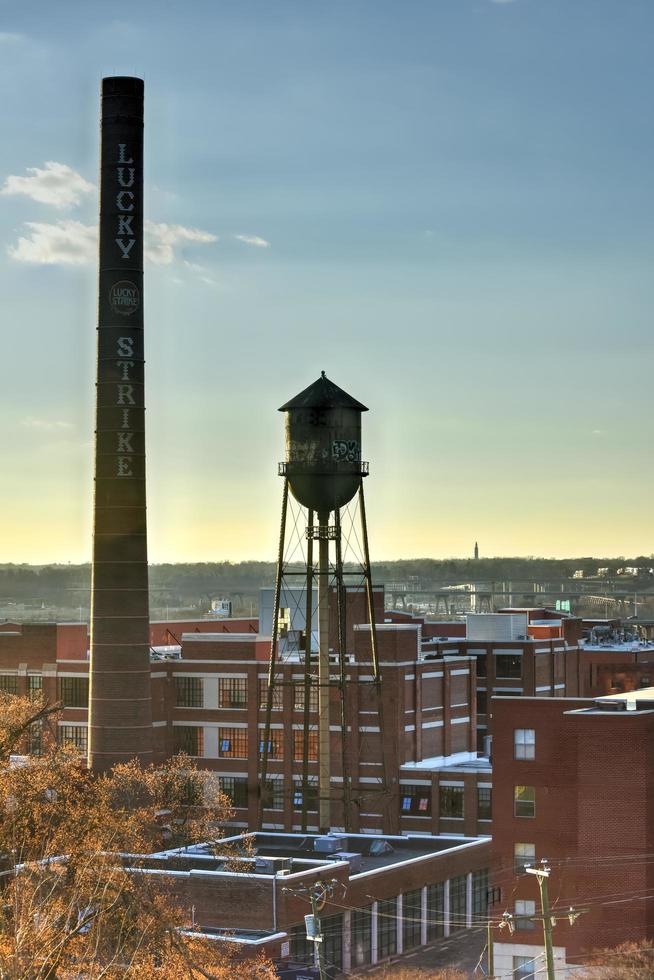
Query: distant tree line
(198, 583)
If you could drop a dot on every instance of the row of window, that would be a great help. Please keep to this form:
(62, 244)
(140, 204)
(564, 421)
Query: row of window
(233, 743)
(236, 788)
(73, 692)
(416, 801)
(410, 922)
(233, 693)
(508, 666)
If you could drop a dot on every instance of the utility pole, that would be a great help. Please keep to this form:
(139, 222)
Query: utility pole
(548, 919)
(314, 894)
(543, 874)
(489, 946)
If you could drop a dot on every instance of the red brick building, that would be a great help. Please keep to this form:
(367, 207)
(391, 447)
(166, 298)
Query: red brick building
(384, 896)
(526, 652)
(573, 784)
(208, 694)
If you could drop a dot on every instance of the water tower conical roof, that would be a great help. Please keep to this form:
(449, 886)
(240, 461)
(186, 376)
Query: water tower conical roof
(323, 393)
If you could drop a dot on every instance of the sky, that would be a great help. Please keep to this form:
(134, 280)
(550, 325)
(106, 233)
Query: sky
(444, 204)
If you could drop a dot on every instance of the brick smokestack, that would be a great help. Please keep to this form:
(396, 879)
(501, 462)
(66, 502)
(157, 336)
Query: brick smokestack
(120, 709)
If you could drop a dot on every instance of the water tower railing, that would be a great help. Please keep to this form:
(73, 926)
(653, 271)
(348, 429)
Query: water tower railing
(290, 469)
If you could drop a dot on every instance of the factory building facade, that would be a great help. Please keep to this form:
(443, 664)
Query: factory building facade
(379, 897)
(573, 784)
(208, 699)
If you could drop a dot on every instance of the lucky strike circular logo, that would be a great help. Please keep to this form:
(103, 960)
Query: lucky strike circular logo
(124, 297)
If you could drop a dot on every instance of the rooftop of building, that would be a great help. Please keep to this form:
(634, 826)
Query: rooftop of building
(269, 853)
(459, 762)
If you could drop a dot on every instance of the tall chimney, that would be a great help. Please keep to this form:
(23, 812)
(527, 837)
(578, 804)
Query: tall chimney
(120, 709)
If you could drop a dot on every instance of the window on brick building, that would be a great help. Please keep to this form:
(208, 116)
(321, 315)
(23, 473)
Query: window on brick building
(233, 743)
(524, 968)
(435, 910)
(508, 666)
(312, 795)
(189, 739)
(73, 736)
(34, 686)
(8, 683)
(301, 948)
(236, 788)
(332, 931)
(481, 665)
(361, 930)
(189, 692)
(411, 918)
(298, 745)
(273, 796)
(524, 801)
(298, 696)
(35, 738)
(480, 895)
(386, 928)
(523, 909)
(232, 692)
(275, 743)
(451, 802)
(74, 692)
(278, 694)
(482, 702)
(484, 803)
(458, 893)
(523, 855)
(415, 800)
(524, 743)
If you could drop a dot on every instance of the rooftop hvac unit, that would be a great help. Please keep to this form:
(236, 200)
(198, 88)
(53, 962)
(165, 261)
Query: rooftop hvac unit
(329, 843)
(353, 859)
(269, 865)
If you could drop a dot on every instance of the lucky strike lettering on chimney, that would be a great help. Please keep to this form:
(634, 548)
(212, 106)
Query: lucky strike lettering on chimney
(125, 299)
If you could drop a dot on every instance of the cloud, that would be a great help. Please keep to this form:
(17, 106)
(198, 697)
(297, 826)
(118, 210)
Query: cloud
(63, 243)
(253, 240)
(69, 242)
(46, 425)
(56, 184)
(9, 37)
(161, 240)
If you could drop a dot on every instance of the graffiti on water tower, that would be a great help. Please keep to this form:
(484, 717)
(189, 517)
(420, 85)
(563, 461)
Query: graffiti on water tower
(346, 451)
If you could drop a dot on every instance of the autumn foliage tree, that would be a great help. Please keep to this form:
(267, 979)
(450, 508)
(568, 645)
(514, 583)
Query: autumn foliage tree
(630, 961)
(74, 901)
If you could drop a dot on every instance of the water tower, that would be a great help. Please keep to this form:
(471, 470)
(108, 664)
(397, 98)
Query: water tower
(324, 472)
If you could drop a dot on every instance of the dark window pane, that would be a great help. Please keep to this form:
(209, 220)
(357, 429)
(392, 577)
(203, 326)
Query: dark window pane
(74, 692)
(451, 802)
(484, 803)
(411, 918)
(189, 692)
(361, 925)
(458, 903)
(386, 928)
(435, 910)
(508, 665)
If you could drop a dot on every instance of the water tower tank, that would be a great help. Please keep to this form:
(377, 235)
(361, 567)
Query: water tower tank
(323, 446)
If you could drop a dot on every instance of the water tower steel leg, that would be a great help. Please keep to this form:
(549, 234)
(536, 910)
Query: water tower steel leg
(374, 652)
(307, 673)
(324, 760)
(272, 664)
(340, 606)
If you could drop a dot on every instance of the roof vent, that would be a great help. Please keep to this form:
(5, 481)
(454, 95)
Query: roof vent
(379, 847)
